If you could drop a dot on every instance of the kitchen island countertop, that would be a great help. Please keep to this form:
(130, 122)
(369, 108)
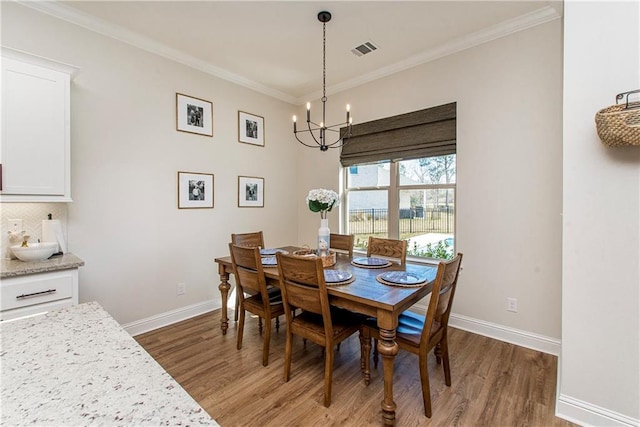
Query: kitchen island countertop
(15, 267)
(78, 366)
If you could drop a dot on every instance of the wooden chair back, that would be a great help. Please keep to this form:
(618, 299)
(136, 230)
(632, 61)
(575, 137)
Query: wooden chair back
(388, 248)
(248, 239)
(303, 286)
(342, 242)
(248, 271)
(441, 300)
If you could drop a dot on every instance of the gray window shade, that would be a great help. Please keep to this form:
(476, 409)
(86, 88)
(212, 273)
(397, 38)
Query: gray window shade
(424, 133)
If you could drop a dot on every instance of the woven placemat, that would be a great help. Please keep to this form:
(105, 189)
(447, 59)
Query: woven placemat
(388, 264)
(346, 282)
(386, 282)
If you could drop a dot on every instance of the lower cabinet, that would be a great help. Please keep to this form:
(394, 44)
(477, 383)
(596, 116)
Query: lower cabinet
(38, 293)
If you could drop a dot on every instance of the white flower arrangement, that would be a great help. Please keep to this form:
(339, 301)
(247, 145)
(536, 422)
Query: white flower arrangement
(322, 200)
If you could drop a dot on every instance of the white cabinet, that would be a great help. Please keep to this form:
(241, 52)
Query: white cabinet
(38, 293)
(36, 143)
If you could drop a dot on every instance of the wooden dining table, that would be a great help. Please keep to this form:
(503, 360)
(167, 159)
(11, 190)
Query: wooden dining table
(365, 295)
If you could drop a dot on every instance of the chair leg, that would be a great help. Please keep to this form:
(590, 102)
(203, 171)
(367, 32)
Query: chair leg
(240, 329)
(287, 355)
(338, 347)
(277, 323)
(265, 342)
(328, 375)
(438, 352)
(445, 361)
(424, 379)
(260, 325)
(235, 313)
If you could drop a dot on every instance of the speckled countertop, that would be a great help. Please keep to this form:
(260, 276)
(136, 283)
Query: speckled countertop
(78, 367)
(15, 267)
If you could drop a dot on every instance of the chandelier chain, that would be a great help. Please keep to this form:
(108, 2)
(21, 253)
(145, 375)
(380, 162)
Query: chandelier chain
(324, 61)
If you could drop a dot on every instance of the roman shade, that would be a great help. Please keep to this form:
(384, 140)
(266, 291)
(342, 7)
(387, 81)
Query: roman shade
(424, 133)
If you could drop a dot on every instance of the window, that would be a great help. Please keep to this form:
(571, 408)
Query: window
(412, 200)
(400, 180)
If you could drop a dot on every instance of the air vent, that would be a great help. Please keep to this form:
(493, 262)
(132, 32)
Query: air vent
(364, 48)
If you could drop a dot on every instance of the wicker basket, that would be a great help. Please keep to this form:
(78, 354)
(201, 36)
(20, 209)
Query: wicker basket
(619, 125)
(308, 252)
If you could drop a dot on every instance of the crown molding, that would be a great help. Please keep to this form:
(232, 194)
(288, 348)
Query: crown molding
(503, 29)
(117, 32)
(92, 23)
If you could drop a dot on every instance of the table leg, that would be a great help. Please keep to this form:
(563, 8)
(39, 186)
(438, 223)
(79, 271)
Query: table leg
(224, 287)
(388, 348)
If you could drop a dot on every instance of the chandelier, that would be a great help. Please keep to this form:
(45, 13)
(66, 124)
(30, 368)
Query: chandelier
(318, 132)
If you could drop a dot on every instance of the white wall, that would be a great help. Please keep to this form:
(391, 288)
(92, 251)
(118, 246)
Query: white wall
(599, 370)
(509, 194)
(124, 222)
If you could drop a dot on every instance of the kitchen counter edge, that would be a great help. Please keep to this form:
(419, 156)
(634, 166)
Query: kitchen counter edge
(15, 268)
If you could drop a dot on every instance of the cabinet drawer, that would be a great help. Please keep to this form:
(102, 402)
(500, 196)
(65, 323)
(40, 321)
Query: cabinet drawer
(35, 289)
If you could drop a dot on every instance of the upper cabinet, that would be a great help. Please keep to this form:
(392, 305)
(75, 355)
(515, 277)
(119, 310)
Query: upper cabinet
(36, 129)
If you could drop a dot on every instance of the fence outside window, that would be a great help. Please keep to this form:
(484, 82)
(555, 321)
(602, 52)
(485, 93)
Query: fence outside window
(412, 221)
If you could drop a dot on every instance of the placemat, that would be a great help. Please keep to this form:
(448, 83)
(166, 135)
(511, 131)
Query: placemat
(371, 262)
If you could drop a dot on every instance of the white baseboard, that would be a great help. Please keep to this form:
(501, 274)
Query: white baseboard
(164, 319)
(502, 333)
(586, 414)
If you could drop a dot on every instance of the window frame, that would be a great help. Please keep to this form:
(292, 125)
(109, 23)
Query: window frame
(393, 200)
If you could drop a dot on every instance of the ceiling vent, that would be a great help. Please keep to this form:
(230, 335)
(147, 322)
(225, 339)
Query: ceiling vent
(364, 48)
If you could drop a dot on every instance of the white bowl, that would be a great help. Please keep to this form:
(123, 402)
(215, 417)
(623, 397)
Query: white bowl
(35, 251)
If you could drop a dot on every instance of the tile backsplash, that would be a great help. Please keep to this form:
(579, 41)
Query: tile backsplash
(31, 215)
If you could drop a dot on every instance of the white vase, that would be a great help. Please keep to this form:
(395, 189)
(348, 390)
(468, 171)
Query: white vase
(323, 237)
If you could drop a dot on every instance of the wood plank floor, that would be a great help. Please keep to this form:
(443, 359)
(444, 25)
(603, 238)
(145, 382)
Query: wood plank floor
(493, 383)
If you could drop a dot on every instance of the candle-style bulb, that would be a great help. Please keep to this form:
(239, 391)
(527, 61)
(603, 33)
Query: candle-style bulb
(308, 111)
(294, 125)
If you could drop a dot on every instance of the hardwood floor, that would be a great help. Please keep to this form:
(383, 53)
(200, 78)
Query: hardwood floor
(493, 383)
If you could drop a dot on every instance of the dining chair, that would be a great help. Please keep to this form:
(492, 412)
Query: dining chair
(342, 242)
(388, 248)
(303, 287)
(250, 279)
(246, 239)
(419, 334)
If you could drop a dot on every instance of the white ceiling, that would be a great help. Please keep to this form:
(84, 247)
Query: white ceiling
(275, 47)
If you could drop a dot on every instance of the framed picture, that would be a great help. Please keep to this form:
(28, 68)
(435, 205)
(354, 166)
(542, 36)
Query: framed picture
(194, 115)
(250, 128)
(195, 190)
(250, 192)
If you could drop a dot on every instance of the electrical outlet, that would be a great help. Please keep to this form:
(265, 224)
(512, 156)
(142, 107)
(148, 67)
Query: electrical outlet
(512, 304)
(15, 225)
(182, 288)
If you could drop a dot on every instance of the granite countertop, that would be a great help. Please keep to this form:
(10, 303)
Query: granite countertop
(78, 366)
(15, 267)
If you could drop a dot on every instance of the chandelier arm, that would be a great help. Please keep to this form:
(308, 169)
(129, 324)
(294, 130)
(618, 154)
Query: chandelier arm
(305, 144)
(332, 128)
(312, 135)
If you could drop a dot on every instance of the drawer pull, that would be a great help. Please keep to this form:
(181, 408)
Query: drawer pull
(35, 294)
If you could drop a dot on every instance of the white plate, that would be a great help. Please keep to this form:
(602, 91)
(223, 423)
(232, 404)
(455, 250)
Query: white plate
(335, 276)
(402, 278)
(371, 262)
(267, 252)
(269, 261)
